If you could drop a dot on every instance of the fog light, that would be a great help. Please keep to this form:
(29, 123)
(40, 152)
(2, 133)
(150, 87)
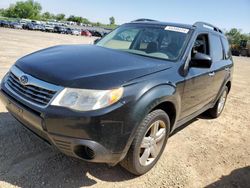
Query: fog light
(84, 152)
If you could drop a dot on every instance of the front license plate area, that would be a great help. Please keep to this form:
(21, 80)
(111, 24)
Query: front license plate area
(15, 109)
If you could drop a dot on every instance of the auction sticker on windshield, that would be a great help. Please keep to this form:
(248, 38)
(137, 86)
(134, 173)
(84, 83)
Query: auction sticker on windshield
(176, 29)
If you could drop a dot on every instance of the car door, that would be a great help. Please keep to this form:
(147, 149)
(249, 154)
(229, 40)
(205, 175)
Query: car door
(221, 62)
(197, 87)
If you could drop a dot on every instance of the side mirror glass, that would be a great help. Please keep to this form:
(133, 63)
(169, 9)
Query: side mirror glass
(200, 60)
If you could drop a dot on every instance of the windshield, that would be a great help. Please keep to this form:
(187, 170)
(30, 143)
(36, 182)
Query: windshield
(157, 42)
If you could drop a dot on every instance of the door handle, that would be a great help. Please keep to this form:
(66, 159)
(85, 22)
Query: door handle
(211, 74)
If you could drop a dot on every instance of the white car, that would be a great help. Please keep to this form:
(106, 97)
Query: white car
(49, 28)
(75, 32)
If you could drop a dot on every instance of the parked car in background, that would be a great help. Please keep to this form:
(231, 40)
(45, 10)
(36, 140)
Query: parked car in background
(104, 33)
(76, 32)
(31, 26)
(245, 48)
(86, 33)
(23, 22)
(96, 33)
(235, 51)
(5, 23)
(16, 25)
(55, 27)
(1, 23)
(25, 25)
(68, 31)
(42, 27)
(60, 29)
(49, 28)
(72, 31)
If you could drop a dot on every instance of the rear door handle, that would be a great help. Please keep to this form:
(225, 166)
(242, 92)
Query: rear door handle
(211, 74)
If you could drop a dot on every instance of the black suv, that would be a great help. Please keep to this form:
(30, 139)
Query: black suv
(119, 100)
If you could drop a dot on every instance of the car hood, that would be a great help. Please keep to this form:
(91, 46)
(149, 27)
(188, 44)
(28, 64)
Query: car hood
(88, 66)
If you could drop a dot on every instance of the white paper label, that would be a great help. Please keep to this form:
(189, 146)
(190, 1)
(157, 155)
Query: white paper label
(176, 29)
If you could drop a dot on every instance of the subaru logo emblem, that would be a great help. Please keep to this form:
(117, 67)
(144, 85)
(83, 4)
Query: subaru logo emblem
(24, 80)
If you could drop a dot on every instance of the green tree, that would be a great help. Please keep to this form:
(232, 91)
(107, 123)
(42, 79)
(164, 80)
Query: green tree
(112, 20)
(24, 9)
(235, 36)
(2, 11)
(77, 19)
(60, 17)
(85, 21)
(71, 18)
(46, 16)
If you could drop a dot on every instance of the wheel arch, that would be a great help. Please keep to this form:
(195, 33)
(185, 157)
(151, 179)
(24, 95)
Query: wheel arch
(169, 108)
(164, 97)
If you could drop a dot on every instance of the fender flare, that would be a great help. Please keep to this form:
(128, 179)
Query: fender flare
(148, 101)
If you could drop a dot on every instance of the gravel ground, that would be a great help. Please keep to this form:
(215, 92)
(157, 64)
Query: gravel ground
(206, 153)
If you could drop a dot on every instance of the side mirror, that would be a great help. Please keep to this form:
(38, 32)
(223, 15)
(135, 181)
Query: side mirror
(96, 41)
(201, 60)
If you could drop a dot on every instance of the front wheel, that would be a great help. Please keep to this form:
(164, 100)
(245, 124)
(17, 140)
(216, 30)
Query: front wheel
(148, 144)
(220, 104)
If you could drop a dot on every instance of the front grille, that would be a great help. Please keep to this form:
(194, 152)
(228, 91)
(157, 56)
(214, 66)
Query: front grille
(32, 93)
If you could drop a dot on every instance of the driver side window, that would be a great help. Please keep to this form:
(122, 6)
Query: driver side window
(201, 45)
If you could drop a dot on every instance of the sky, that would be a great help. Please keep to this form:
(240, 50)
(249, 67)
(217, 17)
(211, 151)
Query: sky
(225, 14)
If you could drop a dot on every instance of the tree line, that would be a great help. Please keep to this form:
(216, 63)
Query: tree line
(31, 9)
(235, 36)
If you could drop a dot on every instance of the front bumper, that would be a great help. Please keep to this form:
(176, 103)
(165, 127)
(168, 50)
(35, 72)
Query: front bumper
(101, 136)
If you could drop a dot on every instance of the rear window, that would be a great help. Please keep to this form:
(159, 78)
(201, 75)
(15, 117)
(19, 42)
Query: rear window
(216, 48)
(226, 48)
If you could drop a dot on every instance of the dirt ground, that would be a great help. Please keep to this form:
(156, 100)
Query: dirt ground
(206, 153)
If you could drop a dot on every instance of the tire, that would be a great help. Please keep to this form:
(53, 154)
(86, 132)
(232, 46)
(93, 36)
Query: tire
(217, 109)
(154, 144)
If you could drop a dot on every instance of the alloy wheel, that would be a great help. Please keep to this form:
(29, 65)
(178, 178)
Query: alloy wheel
(152, 142)
(222, 102)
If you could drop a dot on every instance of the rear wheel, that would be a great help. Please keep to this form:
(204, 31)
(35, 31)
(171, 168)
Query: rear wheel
(220, 104)
(148, 144)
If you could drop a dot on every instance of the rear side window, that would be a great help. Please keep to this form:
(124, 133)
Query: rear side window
(226, 48)
(216, 48)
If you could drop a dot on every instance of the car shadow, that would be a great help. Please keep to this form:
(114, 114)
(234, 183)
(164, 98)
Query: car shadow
(183, 126)
(205, 115)
(237, 178)
(202, 116)
(27, 162)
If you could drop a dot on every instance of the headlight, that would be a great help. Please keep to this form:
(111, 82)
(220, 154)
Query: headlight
(87, 100)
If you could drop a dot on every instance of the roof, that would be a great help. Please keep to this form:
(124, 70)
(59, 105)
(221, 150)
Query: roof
(201, 25)
(155, 22)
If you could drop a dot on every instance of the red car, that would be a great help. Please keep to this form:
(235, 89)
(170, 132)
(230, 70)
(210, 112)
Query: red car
(86, 33)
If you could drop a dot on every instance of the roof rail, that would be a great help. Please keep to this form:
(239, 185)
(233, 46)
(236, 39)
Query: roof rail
(207, 25)
(144, 20)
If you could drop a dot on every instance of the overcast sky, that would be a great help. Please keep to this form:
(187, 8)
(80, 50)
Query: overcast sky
(225, 14)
